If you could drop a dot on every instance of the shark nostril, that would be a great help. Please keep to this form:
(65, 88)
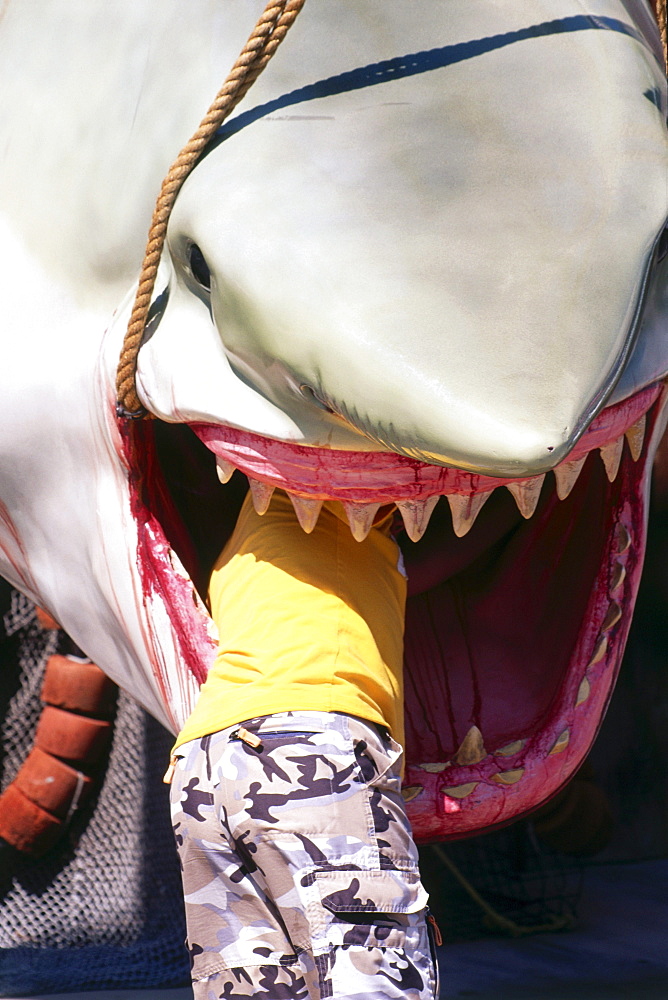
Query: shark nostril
(198, 266)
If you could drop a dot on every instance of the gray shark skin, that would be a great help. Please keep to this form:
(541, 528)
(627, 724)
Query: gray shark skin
(428, 243)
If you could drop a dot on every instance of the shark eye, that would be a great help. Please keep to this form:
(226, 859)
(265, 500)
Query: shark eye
(199, 267)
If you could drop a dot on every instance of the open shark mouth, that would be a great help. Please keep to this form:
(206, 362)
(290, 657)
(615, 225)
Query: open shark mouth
(521, 592)
(408, 254)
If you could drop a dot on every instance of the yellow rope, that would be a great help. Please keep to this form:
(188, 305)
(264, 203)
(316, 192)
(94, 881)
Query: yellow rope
(662, 17)
(272, 27)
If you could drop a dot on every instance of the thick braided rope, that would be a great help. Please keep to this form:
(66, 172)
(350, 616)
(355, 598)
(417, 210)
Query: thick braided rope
(662, 17)
(267, 35)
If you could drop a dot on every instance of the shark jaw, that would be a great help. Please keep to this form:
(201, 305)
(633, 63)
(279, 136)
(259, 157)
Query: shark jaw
(496, 655)
(521, 592)
(282, 324)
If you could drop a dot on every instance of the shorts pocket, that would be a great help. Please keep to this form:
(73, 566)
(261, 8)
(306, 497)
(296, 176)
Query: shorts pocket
(382, 891)
(382, 909)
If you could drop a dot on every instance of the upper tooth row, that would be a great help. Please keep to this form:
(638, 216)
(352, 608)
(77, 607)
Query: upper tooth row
(464, 508)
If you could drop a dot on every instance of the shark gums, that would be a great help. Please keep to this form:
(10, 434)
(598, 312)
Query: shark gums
(424, 264)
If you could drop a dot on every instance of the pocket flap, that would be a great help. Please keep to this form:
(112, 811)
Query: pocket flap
(382, 891)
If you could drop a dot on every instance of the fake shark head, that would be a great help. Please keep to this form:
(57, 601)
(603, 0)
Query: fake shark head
(423, 265)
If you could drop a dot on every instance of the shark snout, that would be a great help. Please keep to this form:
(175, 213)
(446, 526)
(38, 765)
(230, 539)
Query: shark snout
(448, 272)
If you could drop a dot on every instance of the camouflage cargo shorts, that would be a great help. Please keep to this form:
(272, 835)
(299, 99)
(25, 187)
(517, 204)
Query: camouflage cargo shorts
(299, 868)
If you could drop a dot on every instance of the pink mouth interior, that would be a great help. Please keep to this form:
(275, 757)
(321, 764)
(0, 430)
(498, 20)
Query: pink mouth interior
(503, 623)
(500, 609)
(500, 624)
(381, 476)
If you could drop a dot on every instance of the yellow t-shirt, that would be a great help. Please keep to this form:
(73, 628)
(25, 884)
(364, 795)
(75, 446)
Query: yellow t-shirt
(306, 622)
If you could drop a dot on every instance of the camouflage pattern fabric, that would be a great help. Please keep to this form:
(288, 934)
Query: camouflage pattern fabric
(299, 868)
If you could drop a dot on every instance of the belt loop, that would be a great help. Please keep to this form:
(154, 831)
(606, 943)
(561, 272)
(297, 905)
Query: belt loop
(169, 773)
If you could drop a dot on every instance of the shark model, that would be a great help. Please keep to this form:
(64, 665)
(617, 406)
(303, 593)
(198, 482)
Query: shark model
(424, 264)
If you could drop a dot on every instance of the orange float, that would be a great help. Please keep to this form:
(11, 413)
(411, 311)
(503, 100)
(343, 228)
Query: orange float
(73, 734)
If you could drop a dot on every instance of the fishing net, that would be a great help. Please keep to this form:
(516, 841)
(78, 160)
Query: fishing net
(506, 882)
(103, 909)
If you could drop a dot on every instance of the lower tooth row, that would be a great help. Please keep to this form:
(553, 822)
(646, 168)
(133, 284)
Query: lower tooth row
(464, 508)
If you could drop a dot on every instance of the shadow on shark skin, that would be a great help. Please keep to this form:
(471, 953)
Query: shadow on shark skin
(418, 62)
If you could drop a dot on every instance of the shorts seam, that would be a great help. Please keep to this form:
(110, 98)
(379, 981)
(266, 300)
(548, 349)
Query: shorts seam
(246, 965)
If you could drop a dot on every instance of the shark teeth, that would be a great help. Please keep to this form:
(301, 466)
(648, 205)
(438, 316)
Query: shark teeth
(224, 469)
(527, 494)
(472, 749)
(600, 651)
(561, 743)
(307, 511)
(464, 507)
(567, 474)
(613, 615)
(618, 577)
(410, 792)
(261, 494)
(583, 692)
(460, 791)
(510, 749)
(416, 514)
(623, 539)
(508, 777)
(360, 518)
(611, 455)
(635, 436)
